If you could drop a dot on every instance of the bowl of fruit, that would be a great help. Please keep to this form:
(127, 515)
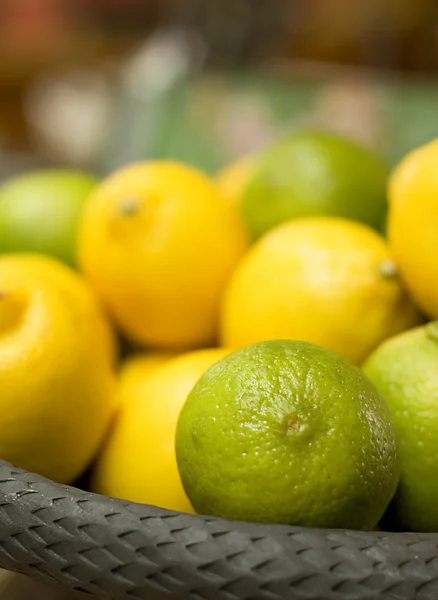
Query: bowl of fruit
(218, 387)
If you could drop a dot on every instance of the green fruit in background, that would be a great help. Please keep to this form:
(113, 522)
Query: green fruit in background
(404, 368)
(40, 210)
(313, 173)
(288, 432)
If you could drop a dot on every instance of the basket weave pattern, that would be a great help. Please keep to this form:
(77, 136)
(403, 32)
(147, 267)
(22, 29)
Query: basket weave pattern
(122, 550)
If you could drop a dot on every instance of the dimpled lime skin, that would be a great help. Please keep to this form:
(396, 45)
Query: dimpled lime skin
(288, 432)
(405, 369)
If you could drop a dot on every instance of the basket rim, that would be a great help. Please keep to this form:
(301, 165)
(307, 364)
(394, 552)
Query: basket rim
(121, 549)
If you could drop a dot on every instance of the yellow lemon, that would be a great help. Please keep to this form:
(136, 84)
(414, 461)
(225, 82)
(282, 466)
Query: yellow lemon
(159, 244)
(56, 378)
(233, 179)
(76, 290)
(140, 366)
(138, 461)
(323, 280)
(413, 224)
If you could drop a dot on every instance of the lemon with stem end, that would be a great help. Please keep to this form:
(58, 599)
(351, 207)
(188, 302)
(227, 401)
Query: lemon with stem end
(324, 280)
(158, 244)
(76, 291)
(56, 374)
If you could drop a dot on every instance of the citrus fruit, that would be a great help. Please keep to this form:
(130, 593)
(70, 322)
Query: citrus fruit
(413, 224)
(57, 382)
(311, 173)
(323, 280)
(138, 461)
(404, 370)
(158, 243)
(234, 177)
(40, 210)
(76, 291)
(287, 432)
(140, 366)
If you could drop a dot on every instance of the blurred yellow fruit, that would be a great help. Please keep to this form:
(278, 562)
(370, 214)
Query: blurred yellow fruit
(138, 462)
(413, 224)
(140, 366)
(159, 244)
(57, 383)
(146, 364)
(323, 280)
(233, 179)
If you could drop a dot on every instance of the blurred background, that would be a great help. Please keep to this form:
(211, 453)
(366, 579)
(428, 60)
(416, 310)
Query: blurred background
(98, 83)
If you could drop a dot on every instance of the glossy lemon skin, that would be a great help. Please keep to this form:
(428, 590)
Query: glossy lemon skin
(138, 461)
(56, 373)
(76, 290)
(323, 280)
(159, 244)
(413, 224)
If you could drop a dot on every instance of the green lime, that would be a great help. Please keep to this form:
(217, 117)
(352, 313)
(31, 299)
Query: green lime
(404, 368)
(288, 432)
(313, 173)
(40, 210)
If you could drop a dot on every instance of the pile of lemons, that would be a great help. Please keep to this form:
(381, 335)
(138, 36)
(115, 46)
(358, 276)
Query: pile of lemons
(115, 302)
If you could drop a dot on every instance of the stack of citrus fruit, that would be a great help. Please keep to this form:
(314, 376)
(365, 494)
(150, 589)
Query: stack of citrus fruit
(280, 366)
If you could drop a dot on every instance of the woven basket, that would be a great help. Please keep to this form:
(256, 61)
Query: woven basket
(122, 550)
